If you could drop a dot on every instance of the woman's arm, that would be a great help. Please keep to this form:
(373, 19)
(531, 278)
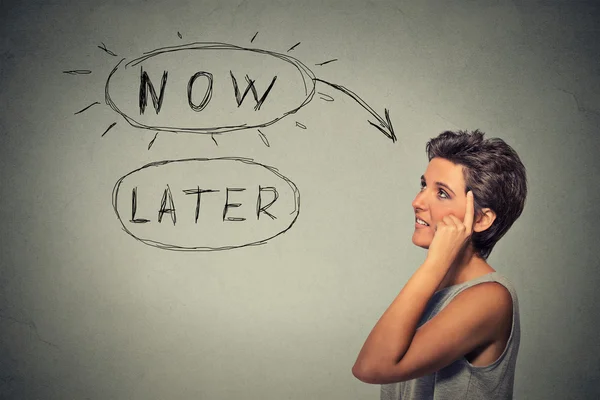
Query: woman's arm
(392, 335)
(395, 350)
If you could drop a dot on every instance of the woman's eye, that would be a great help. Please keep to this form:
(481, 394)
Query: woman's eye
(443, 194)
(422, 186)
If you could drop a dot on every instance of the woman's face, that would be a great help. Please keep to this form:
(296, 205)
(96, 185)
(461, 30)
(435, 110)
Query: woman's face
(442, 193)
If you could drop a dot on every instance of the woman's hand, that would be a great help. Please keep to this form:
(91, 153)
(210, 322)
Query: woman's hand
(451, 236)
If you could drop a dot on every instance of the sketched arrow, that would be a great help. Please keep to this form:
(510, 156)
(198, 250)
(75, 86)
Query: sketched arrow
(385, 125)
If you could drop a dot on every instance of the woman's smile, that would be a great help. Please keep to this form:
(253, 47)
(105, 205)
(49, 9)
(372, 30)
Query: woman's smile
(442, 193)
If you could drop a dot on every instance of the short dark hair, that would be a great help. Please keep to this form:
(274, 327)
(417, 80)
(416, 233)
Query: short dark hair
(493, 171)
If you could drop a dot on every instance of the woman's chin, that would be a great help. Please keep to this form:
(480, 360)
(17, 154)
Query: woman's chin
(417, 241)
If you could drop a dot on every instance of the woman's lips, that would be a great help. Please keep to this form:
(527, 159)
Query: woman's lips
(418, 225)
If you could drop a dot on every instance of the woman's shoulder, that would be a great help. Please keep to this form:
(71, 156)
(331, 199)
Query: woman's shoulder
(500, 300)
(489, 286)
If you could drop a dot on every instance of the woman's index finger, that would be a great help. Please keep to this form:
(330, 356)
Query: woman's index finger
(470, 211)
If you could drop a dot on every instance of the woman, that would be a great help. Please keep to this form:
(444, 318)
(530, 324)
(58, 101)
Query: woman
(453, 330)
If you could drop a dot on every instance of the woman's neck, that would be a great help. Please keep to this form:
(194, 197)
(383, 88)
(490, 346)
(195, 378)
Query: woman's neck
(469, 265)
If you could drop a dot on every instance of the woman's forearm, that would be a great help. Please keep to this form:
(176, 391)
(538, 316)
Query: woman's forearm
(391, 337)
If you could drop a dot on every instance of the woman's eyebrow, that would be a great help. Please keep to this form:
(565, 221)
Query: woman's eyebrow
(442, 184)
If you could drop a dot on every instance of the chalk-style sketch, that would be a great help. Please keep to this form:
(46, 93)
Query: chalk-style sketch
(326, 62)
(86, 108)
(103, 47)
(152, 141)
(294, 46)
(207, 79)
(78, 72)
(109, 128)
(205, 204)
(264, 138)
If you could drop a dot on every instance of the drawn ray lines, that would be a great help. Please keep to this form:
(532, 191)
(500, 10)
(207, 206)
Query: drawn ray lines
(327, 62)
(326, 97)
(152, 141)
(264, 138)
(82, 110)
(293, 47)
(103, 47)
(109, 128)
(78, 72)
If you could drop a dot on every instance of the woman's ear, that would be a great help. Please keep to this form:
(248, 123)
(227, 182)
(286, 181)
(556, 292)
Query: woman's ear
(484, 219)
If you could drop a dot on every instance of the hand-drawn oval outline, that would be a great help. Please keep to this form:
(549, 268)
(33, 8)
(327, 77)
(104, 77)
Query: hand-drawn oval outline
(164, 246)
(305, 74)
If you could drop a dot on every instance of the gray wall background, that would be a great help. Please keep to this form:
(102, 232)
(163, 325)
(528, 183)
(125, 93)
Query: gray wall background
(87, 312)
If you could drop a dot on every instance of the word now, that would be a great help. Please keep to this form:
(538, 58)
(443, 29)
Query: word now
(208, 88)
(157, 100)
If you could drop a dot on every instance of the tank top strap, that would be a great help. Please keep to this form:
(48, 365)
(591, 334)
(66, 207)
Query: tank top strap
(450, 292)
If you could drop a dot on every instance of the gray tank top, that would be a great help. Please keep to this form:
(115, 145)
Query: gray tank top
(461, 380)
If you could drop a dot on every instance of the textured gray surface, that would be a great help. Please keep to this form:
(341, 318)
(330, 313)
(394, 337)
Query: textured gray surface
(88, 312)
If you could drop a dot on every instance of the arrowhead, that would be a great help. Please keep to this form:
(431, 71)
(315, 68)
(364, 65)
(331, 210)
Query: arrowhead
(386, 127)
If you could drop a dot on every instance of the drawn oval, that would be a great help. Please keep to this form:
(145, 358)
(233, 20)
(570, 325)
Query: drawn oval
(208, 88)
(205, 204)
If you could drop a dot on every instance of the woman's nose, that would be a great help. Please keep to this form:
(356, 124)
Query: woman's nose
(419, 201)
